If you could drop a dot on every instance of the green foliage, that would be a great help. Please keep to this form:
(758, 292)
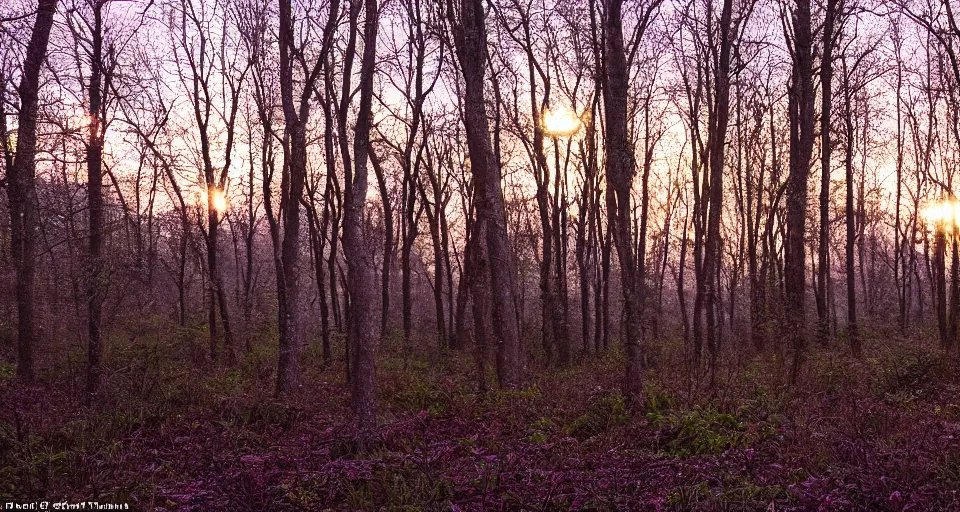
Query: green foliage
(656, 400)
(698, 432)
(687, 496)
(227, 383)
(540, 430)
(29, 463)
(405, 486)
(421, 395)
(602, 415)
(501, 397)
(744, 493)
(517, 408)
(902, 379)
(834, 373)
(947, 467)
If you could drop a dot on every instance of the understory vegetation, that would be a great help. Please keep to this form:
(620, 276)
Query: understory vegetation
(173, 433)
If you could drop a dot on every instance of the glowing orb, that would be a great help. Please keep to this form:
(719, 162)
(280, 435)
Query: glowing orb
(561, 122)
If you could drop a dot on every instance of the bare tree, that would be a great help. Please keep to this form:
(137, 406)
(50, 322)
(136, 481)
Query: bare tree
(89, 35)
(212, 78)
(361, 334)
(470, 39)
(801, 117)
(621, 168)
(296, 110)
(831, 12)
(22, 188)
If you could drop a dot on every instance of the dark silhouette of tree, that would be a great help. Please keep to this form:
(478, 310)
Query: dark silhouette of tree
(469, 34)
(801, 118)
(21, 183)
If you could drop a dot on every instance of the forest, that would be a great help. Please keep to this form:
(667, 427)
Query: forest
(464, 255)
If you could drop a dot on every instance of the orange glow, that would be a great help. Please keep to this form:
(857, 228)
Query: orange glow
(942, 214)
(219, 200)
(561, 122)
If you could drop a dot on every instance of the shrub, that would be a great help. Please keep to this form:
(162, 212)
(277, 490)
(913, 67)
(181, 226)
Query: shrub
(603, 414)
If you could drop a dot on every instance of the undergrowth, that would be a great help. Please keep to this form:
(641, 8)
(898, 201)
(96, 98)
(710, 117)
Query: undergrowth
(173, 431)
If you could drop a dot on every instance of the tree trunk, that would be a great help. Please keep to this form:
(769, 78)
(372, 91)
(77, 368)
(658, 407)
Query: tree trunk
(361, 333)
(95, 206)
(801, 152)
(852, 329)
(826, 84)
(22, 189)
(292, 187)
(470, 39)
(387, 242)
(621, 167)
(717, 150)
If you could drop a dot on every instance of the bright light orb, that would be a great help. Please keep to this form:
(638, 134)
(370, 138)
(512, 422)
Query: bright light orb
(219, 200)
(561, 122)
(940, 215)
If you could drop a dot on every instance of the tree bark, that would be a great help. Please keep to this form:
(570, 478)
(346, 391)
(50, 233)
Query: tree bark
(826, 85)
(362, 322)
(387, 242)
(717, 151)
(801, 152)
(853, 332)
(470, 40)
(22, 190)
(621, 168)
(95, 204)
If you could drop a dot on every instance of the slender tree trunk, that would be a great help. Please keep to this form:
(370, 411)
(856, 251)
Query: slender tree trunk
(470, 39)
(681, 284)
(387, 243)
(826, 84)
(434, 212)
(901, 244)
(409, 231)
(182, 276)
(605, 271)
(433, 218)
(478, 277)
(328, 191)
(249, 243)
(317, 241)
(95, 206)
(292, 186)
(463, 288)
(361, 333)
(213, 270)
(621, 167)
(852, 329)
(717, 151)
(801, 152)
(22, 189)
(562, 297)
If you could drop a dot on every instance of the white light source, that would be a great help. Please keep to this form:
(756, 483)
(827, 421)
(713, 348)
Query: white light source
(218, 200)
(561, 122)
(942, 214)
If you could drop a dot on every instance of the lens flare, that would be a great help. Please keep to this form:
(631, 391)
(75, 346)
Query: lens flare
(943, 214)
(219, 200)
(561, 122)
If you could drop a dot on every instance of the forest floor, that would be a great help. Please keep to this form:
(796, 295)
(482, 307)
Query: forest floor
(170, 433)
